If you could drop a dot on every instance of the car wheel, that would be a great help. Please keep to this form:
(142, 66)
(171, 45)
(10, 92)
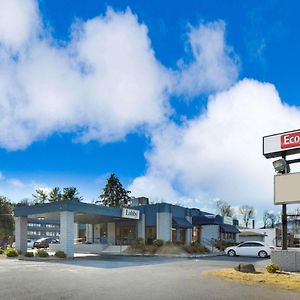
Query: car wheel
(262, 254)
(231, 253)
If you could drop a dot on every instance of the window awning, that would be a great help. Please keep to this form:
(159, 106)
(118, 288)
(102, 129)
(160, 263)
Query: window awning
(229, 228)
(181, 222)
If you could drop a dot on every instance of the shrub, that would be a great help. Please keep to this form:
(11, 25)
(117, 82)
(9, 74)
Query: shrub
(1, 251)
(272, 268)
(195, 247)
(41, 253)
(158, 243)
(177, 243)
(11, 252)
(29, 254)
(168, 243)
(138, 243)
(60, 254)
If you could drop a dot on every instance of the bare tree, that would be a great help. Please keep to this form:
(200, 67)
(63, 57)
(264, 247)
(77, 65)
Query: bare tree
(248, 213)
(265, 218)
(224, 209)
(269, 219)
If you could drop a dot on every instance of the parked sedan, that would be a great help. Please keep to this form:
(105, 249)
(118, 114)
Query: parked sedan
(251, 248)
(29, 244)
(44, 242)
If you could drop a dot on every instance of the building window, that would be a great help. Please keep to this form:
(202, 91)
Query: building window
(51, 226)
(34, 225)
(51, 233)
(150, 234)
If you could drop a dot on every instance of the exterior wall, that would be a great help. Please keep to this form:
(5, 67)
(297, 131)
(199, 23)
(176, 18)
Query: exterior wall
(76, 231)
(21, 233)
(209, 232)
(111, 233)
(67, 233)
(270, 238)
(251, 238)
(141, 227)
(287, 260)
(164, 226)
(270, 235)
(89, 233)
(189, 232)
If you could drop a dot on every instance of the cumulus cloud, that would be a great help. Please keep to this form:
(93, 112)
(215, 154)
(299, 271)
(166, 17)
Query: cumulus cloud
(103, 84)
(19, 23)
(219, 153)
(214, 66)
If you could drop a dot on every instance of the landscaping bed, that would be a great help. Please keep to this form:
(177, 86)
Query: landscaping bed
(279, 280)
(160, 247)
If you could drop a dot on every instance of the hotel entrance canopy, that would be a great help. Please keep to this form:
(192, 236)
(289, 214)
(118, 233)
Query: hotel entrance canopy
(84, 213)
(68, 213)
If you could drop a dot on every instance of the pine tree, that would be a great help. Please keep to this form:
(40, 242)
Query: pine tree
(71, 193)
(55, 195)
(114, 194)
(40, 197)
(6, 218)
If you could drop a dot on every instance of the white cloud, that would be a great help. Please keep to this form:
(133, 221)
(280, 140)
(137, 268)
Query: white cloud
(219, 153)
(17, 183)
(102, 85)
(214, 66)
(19, 22)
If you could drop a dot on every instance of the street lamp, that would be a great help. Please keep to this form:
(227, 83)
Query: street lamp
(281, 166)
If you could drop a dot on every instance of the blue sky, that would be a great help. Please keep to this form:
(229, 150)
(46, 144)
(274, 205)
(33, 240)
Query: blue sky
(173, 97)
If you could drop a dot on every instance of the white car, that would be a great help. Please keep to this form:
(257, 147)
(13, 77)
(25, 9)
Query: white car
(29, 244)
(250, 248)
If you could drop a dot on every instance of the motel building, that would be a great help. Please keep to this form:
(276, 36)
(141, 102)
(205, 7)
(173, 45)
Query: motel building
(98, 227)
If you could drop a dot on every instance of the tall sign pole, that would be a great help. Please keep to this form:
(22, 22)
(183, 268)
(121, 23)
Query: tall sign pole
(285, 185)
(284, 236)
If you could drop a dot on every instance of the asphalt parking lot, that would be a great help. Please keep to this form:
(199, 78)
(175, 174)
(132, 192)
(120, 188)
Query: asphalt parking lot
(128, 278)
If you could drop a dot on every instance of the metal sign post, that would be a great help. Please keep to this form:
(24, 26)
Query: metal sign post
(283, 144)
(284, 217)
(284, 228)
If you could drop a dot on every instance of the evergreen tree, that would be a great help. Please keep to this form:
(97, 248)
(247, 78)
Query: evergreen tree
(114, 194)
(55, 195)
(6, 218)
(71, 193)
(40, 197)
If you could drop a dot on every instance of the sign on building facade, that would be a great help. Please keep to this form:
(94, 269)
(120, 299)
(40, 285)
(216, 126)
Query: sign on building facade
(130, 213)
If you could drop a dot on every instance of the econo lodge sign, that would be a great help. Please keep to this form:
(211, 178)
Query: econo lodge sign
(277, 144)
(291, 140)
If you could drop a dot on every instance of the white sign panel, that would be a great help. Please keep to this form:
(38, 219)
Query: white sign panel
(130, 213)
(277, 144)
(287, 188)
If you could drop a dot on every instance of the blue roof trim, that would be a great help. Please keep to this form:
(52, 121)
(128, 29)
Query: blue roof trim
(181, 222)
(74, 206)
(207, 220)
(229, 228)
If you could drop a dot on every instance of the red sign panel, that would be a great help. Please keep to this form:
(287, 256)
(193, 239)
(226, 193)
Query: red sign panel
(291, 140)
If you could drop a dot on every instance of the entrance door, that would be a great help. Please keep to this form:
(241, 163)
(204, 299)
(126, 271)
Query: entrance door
(126, 235)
